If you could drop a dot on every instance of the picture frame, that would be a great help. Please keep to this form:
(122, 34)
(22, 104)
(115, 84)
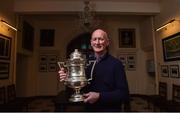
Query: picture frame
(164, 70)
(131, 62)
(127, 38)
(128, 60)
(4, 70)
(5, 47)
(122, 58)
(176, 92)
(52, 59)
(52, 67)
(174, 71)
(163, 89)
(43, 67)
(43, 59)
(48, 62)
(171, 47)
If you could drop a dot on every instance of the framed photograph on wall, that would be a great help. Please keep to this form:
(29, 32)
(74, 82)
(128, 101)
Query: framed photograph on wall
(4, 70)
(171, 47)
(122, 58)
(174, 71)
(164, 71)
(5, 47)
(163, 89)
(176, 92)
(43, 59)
(43, 67)
(52, 67)
(52, 59)
(127, 38)
(131, 62)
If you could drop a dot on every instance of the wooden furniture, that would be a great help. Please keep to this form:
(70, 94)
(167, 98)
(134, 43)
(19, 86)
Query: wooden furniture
(2, 96)
(13, 103)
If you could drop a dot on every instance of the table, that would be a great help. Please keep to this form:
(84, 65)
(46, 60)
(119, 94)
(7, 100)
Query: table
(62, 103)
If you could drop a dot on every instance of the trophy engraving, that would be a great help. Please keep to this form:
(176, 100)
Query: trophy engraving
(76, 78)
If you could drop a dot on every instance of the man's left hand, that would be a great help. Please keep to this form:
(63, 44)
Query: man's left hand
(91, 97)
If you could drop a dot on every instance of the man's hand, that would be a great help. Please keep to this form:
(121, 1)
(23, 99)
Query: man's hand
(91, 97)
(62, 74)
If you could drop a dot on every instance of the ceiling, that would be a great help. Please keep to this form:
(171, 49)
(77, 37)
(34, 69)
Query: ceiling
(99, 0)
(145, 7)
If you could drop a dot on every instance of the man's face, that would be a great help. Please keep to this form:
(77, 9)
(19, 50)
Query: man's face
(99, 41)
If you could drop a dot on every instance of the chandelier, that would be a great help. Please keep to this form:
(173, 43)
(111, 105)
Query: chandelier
(87, 18)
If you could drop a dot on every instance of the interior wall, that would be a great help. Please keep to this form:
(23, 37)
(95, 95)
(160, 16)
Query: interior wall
(169, 10)
(66, 28)
(7, 14)
(48, 84)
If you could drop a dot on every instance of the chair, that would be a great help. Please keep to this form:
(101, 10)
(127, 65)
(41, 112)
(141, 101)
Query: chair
(11, 93)
(13, 103)
(2, 97)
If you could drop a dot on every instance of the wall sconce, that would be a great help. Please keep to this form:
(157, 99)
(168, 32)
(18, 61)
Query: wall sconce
(7, 24)
(165, 25)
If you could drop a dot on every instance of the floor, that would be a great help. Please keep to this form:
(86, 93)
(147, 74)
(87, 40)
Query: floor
(137, 104)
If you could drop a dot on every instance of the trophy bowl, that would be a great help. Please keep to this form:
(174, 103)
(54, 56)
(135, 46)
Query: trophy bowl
(76, 78)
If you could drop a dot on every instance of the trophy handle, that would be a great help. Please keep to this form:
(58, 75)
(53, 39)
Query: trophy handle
(61, 64)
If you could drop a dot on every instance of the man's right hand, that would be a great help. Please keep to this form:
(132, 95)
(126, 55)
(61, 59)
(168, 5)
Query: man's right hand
(62, 74)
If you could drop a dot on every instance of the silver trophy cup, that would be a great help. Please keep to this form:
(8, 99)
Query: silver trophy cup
(76, 78)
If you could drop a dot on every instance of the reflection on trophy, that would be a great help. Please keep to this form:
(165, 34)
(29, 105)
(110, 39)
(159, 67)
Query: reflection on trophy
(76, 74)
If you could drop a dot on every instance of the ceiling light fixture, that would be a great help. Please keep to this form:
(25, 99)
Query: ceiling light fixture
(87, 17)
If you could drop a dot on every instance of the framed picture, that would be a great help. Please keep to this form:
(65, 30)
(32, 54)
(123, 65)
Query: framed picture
(5, 47)
(48, 63)
(4, 70)
(171, 47)
(47, 37)
(122, 58)
(127, 38)
(43, 67)
(52, 59)
(174, 71)
(163, 89)
(131, 62)
(176, 92)
(52, 67)
(164, 71)
(43, 59)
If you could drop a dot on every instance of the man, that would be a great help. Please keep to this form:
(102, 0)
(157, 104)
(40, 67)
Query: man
(108, 87)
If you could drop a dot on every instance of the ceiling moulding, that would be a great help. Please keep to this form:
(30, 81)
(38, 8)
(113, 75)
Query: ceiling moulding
(77, 6)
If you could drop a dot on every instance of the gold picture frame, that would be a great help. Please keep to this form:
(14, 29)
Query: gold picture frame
(127, 38)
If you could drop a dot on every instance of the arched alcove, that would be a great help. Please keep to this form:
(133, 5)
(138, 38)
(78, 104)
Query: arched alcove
(82, 43)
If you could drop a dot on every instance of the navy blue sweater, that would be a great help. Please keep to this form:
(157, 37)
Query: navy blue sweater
(110, 81)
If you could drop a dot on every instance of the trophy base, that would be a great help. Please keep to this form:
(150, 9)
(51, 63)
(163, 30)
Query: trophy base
(76, 98)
